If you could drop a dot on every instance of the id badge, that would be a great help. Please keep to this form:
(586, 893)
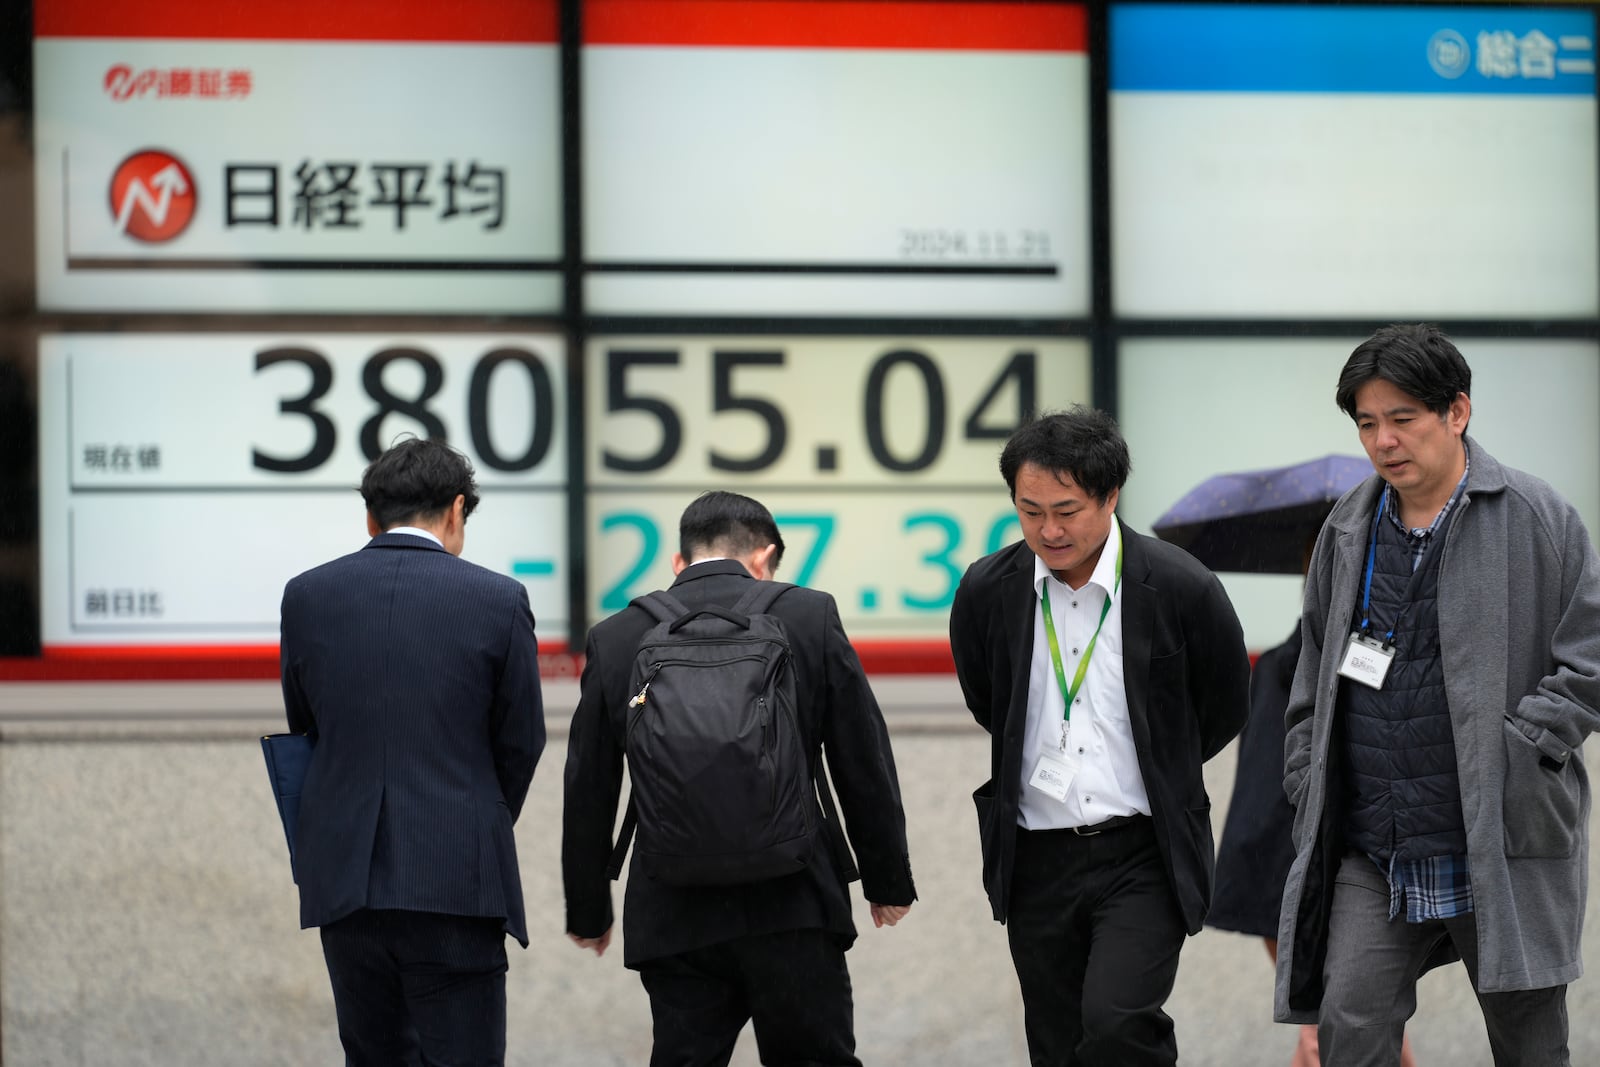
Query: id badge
(1052, 775)
(1366, 660)
(1057, 765)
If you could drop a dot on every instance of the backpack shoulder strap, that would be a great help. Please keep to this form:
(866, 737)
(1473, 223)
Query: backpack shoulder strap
(756, 601)
(662, 605)
(759, 597)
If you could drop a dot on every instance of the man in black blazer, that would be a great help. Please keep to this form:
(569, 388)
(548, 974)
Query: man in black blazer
(418, 675)
(771, 952)
(1107, 667)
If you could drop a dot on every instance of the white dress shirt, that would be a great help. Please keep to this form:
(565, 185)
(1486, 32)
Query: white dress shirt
(1108, 782)
(416, 532)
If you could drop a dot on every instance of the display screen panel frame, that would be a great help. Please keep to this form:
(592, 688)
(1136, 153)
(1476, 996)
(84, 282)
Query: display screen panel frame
(1099, 325)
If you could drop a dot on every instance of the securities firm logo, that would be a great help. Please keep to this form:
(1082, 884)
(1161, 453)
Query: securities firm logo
(122, 82)
(152, 196)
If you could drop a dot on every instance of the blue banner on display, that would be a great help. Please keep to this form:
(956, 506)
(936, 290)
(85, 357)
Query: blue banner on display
(1371, 49)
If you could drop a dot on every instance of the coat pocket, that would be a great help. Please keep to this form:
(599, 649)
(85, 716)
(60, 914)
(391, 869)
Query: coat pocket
(1542, 806)
(1169, 679)
(993, 846)
(983, 800)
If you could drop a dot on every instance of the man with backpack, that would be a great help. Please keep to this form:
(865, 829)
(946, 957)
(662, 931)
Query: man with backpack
(723, 697)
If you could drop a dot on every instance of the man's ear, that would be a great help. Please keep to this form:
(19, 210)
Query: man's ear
(373, 529)
(760, 563)
(678, 563)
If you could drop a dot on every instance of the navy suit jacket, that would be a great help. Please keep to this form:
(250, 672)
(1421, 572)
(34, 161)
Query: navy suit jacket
(418, 674)
(838, 713)
(1184, 670)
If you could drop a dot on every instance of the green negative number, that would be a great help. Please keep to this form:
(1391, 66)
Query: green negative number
(616, 598)
(1001, 535)
(824, 525)
(939, 558)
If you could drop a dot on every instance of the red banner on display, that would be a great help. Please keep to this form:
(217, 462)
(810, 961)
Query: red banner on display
(476, 21)
(135, 663)
(188, 663)
(904, 24)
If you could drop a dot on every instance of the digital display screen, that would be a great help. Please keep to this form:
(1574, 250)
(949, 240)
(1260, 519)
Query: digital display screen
(878, 457)
(184, 478)
(621, 252)
(1299, 160)
(847, 158)
(245, 163)
(1178, 392)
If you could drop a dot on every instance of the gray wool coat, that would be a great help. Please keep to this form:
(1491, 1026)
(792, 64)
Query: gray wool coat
(1519, 617)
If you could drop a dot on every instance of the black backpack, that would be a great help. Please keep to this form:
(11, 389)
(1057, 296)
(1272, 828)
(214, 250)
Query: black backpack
(721, 783)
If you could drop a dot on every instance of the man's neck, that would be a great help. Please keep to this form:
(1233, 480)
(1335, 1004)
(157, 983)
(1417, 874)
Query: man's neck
(1079, 576)
(1419, 515)
(1418, 510)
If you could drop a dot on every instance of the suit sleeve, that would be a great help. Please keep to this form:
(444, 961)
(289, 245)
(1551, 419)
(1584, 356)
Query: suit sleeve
(516, 721)
(593, 784)
(1221, 672)
(861, 763)
(296, 705)
(969, 649)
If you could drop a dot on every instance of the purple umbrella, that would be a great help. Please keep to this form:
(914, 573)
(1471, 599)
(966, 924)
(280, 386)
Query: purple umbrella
(1260, 522)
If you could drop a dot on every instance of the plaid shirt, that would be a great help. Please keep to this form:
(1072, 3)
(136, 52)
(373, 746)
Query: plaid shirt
(1438, 887)
(1420, 537)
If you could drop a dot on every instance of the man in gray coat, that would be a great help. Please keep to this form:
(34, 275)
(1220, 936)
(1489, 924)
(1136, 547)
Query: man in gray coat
(1448, 675)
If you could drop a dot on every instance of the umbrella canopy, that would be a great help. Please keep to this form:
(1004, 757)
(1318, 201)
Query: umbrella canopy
(1260, 522)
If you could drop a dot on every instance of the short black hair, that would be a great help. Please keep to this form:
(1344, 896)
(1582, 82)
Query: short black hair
(1082, 442)
(417, 479)
(719, 523)
(1418, 359)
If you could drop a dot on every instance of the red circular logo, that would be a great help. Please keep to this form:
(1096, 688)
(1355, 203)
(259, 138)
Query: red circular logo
(152, 196)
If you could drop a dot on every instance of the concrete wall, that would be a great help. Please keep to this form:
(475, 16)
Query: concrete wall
(147, 915)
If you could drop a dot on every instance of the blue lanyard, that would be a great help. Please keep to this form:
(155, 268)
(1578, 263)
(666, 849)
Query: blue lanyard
(1372, 557)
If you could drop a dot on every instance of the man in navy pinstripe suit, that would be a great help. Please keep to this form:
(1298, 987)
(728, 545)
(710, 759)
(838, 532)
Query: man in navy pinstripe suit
(417, 674)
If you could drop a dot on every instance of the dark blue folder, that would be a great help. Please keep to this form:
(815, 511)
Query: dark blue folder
(288, 756)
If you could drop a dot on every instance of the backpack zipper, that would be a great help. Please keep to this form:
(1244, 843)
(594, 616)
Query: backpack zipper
(655, 669)
(765, 714)
(639, 698)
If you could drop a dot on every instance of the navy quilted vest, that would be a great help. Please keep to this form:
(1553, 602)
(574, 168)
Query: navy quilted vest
(1402, 792)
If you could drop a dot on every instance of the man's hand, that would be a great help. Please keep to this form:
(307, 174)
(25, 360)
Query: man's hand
(599, 944)
(886, 914)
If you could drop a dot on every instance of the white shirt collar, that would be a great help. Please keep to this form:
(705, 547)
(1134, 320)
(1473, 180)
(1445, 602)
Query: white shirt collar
(415, 531)
(1105, 569)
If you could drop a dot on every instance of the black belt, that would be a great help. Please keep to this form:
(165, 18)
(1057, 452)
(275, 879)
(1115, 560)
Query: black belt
(1116, 822)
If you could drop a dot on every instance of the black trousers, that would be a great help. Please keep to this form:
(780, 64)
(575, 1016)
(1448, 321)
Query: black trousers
(793, 985)
(418, 988)
(1095, 935)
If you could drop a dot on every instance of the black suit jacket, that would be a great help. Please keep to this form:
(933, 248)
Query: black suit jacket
(1187, 679)
(418, 674)
(1257, 846)
(837, 712)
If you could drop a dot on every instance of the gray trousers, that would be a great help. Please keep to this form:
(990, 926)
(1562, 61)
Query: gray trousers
(1371, 982)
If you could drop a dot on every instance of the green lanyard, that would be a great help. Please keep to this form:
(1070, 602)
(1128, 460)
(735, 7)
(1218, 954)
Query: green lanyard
(1069, 692)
